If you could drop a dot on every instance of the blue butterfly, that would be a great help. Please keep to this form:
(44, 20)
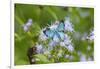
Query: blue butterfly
(55, 33)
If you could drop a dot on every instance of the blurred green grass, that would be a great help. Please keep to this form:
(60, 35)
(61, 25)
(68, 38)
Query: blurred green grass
(42, 15)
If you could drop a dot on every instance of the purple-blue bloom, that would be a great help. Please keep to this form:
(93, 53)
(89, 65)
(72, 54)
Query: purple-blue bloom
(91, 36)
(25, 28)
(39, 49)
(52, 44)
(27, 25)
(83, 57)
(70, 48)
(68, 25)
(67, 40)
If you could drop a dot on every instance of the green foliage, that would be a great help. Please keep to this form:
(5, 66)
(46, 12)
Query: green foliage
(42, 58)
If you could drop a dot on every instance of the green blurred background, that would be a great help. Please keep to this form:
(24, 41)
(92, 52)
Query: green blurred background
(42, 15)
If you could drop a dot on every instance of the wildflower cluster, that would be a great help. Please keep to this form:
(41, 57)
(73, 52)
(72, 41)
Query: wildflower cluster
(54, 42)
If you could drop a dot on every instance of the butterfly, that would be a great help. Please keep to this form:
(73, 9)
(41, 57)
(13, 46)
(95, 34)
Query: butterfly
(55, 32)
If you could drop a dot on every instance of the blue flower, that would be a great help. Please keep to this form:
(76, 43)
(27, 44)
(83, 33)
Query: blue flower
(27, 25)
(52, 44)
(83, 57)
(70, 48)
(39, 49)
(91, 36)
(25, 28)
(68, 25)
(67, 40)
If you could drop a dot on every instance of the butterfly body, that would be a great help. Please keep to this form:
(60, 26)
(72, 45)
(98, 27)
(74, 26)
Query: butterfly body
(56, 32)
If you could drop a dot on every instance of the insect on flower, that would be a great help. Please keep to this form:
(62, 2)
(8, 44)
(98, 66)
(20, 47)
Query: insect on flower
(55, 32)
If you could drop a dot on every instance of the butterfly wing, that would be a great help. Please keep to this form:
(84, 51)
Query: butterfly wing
(61, 35)
(56, 37)
(48, 32)
(60, 30)
(61, 26)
